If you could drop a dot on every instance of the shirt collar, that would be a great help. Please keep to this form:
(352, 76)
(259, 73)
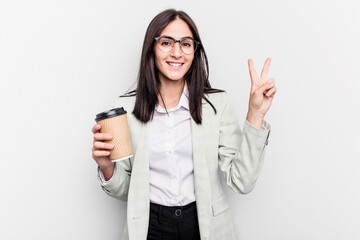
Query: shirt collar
(183, 102)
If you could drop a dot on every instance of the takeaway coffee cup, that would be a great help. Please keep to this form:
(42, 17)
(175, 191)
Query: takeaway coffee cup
(115, 122)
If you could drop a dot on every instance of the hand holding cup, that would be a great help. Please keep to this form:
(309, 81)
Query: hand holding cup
(101, 150)
(111, 139)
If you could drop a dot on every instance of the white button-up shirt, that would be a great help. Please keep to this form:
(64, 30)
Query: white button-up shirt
(170, 155)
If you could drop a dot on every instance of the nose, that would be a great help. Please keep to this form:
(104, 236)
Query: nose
(176, 51)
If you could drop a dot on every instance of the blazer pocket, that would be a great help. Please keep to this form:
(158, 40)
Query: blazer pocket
(220, 205)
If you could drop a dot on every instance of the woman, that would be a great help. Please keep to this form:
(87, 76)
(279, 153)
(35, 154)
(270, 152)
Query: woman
(183, 132)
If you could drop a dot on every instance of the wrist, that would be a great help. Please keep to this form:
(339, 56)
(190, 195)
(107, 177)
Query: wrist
(108, 167)
(255, 119)
(108, 171)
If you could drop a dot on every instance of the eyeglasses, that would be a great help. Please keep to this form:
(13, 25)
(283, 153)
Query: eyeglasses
(167, 43)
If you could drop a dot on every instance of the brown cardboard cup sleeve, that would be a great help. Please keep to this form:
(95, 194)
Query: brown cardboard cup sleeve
(115, 123)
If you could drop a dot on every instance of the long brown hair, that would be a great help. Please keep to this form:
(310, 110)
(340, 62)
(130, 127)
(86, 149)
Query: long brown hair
(148, 85)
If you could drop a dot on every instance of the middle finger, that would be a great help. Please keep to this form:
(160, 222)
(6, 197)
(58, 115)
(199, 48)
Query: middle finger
(102, 145)
(102, 136)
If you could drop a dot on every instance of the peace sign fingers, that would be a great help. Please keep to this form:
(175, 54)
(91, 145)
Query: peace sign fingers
(261, 93)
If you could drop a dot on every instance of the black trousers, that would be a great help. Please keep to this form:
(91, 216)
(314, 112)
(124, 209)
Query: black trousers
(173, 223)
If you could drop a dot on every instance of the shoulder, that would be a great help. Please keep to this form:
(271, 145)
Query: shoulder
(216, 96)
(127, 102)
(218, 99)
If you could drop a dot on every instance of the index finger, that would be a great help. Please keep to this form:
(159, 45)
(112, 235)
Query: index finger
(96, 128)
(252, 70)
(265, 70)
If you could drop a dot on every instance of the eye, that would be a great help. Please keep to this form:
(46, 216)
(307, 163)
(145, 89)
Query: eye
(187, 43)
(165, 43)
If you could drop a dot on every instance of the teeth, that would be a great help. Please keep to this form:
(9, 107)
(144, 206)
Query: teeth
(175, 64)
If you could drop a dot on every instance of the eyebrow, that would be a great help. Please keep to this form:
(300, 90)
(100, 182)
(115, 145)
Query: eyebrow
(180, 38)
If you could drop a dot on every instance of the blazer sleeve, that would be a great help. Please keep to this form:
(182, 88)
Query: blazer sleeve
(241, 153)
(118, 185)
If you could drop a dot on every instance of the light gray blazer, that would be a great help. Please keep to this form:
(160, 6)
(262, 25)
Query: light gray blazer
(218, 144)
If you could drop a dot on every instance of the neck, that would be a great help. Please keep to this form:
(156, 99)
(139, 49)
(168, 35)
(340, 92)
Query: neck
(171, 92)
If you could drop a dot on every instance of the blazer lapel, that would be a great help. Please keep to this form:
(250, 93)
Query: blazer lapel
(138, 205)
(202, 181)
(138, 196)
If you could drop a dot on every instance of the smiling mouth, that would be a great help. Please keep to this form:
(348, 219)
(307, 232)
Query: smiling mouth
(173, 64)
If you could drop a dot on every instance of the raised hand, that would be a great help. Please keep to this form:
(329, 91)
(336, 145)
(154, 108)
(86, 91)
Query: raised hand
(261, 94)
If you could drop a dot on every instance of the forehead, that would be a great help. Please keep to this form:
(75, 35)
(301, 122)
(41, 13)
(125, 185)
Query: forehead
(177, 29)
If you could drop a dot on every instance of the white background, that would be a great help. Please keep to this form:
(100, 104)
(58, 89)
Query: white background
(62, 62)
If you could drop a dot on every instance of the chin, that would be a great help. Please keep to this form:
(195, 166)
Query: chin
(177, 79)
(174, 78)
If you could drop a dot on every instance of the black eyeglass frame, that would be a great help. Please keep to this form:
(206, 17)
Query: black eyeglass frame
(197, 43)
